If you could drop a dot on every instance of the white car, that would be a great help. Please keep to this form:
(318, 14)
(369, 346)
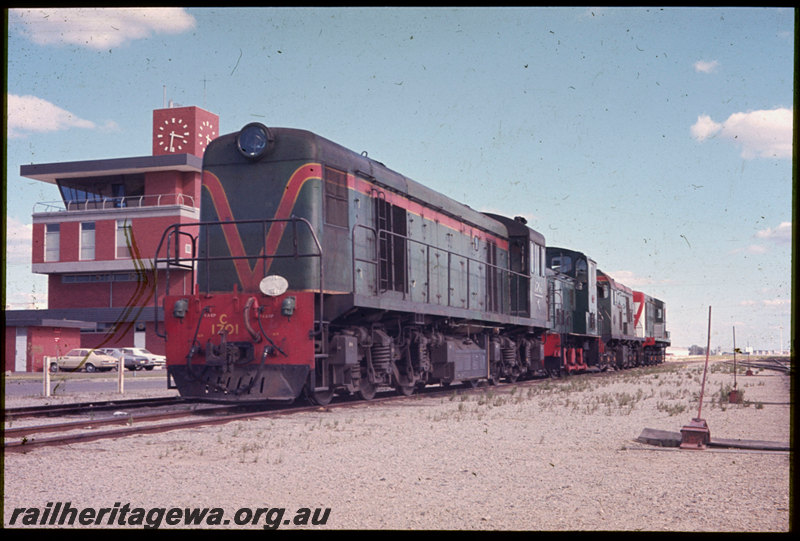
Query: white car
(83, 359)
(156, 361)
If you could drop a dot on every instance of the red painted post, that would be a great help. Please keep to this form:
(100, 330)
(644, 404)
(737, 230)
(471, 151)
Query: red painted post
(705, 370)
(696, 434)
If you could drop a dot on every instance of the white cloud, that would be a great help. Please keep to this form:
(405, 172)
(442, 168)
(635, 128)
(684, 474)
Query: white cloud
(19, 237)
(97, 28)
(24, 290)
(761, 134)
(776, 302)
(26, 301)
(31, 114)
(756, 249)
(705, 67)
(629, 279)
(705, 128)
(781, 234)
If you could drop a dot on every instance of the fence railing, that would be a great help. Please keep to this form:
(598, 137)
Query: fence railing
(110, 203)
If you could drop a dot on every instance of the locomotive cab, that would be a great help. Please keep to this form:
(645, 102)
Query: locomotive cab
(528, 285)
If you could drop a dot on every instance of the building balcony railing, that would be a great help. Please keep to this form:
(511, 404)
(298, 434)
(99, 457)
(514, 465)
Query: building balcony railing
(111, 203)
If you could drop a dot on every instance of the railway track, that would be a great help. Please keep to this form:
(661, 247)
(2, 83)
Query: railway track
(26, 438)
(98, 406)
(779, 365)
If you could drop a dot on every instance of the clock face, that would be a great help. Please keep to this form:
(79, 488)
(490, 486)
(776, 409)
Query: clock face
(205, 134)
(173, 135)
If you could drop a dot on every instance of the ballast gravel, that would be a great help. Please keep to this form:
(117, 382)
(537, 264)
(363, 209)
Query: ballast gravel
(548, 455)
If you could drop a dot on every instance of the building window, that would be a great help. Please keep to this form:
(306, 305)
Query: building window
(124, 239)
(87, 240)
(51, 242)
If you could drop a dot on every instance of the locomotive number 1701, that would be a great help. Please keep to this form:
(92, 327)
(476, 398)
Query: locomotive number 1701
(222, 325)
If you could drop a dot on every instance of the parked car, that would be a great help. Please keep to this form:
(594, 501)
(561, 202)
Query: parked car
(132, 362)
(84, 359)
(156, 361)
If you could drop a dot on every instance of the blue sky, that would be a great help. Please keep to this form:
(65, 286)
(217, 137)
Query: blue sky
(658, 141)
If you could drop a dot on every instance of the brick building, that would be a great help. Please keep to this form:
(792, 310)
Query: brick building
(97, 244)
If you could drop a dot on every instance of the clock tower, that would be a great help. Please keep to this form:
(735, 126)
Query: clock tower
(183, 130)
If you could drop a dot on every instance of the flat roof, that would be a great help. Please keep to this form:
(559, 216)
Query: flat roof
(85, 318)
(50, 172)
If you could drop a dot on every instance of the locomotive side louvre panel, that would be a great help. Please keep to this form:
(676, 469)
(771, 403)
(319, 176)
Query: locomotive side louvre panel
(364, 243)
(336, 231)
(392, 234)
(336, 203)
(421, 254)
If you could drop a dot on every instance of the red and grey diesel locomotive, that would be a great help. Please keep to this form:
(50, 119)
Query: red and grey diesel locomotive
(320, 271)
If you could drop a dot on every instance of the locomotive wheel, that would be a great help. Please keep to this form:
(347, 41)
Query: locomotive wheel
(366, 390)
(319, 398)
(405, 390)
(513, 375)
(557, 373)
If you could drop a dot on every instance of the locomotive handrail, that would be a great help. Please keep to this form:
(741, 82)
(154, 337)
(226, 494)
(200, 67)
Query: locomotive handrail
(175, 231)
(505, 307)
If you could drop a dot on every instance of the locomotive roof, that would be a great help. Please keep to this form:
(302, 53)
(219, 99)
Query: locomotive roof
(614, 284)
(297, 143)
(517, 227)
(573, 253)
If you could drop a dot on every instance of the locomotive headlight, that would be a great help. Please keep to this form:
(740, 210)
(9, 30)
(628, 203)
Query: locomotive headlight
(253, 141)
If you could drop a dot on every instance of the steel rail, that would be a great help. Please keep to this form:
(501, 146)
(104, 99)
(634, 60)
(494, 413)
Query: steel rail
(82, 407)
(125, 419)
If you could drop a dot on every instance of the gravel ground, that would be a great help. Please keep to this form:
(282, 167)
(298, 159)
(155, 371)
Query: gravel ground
(555, 455)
